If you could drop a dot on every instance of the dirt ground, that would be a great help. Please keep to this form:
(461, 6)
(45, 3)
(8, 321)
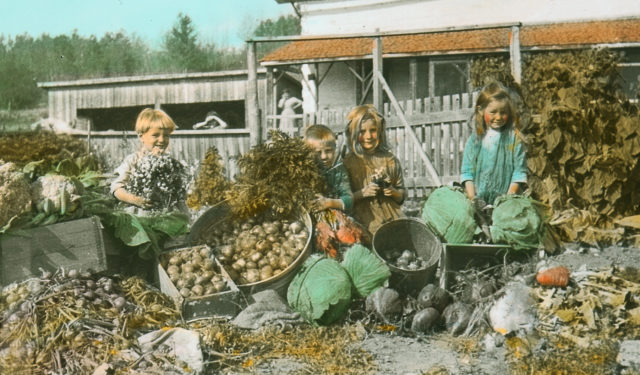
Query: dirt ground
(442, 354)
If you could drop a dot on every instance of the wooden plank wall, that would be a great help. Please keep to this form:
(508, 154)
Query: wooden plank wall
(189, 146)
(65, 101)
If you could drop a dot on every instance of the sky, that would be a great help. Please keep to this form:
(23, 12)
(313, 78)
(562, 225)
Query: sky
(223, 22)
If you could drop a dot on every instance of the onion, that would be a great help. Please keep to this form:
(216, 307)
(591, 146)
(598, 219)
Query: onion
(220, 285)
(197, 290)
(208, 265)
(119, 303)
(210, 289)
(246, 226)
(272, 238)
(173, 269)
(251, 265)
(185, 292)
(263, 245)
(263, 262)
(200, 280)
(187, 267)
(266, 272)
(285, 261)
(205, 252)
(258, 231)
(255, 257)
(227, 250)
(175, 260)
(295, 227)
(253, 275)
(269, 228)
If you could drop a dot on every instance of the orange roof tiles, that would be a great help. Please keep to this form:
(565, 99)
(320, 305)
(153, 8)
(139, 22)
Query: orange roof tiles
(559, 34)
(596, 32)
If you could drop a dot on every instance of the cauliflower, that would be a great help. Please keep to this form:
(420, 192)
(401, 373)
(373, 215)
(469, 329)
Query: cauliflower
(56, 194)
(15, 193)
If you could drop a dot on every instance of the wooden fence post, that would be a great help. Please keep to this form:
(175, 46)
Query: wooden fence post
(514, 54)
(377, 67)
(253, 114)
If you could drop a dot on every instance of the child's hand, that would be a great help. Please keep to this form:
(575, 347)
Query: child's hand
(370, 190)
(319, 204)
(141, 202)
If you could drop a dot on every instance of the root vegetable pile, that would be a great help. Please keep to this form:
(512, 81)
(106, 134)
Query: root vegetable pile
(194, 271)
(257, 249)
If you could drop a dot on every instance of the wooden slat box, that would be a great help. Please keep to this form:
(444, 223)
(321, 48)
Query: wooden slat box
(225, 304)
(76, 244)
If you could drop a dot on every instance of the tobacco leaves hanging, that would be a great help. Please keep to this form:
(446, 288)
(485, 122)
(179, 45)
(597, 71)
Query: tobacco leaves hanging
(583, 140)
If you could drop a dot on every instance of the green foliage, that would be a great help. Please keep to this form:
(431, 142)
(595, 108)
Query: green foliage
(284, 25)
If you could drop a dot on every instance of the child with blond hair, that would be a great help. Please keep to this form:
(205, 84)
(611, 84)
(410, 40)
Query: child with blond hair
(153, 127)
(375, 174)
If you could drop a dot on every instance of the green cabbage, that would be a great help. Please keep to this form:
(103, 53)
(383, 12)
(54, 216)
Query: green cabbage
(517, 221)
(321, 291)
(450, 214)
(367, 271)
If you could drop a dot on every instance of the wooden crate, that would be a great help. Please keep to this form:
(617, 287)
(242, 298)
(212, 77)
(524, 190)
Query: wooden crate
(225, 304)
(76, 244)
(456, 257)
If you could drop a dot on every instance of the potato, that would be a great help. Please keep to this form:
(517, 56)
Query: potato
(253, 275)
(266, 272)
(255, 257)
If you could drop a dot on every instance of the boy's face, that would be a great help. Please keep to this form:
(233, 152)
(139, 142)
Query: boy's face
(496, 114)
(155, 140)
(325, 151)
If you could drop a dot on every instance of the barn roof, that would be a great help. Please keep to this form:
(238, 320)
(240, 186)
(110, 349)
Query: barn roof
(487, 39)
(224, 74)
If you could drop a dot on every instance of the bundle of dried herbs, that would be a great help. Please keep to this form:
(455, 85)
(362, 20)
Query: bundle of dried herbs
(282, 175)
(210, 185)
(160, 179)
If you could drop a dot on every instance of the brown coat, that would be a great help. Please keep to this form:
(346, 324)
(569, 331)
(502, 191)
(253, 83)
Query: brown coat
(372, 212)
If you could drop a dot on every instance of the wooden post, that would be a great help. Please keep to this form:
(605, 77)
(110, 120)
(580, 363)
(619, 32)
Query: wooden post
(514, 54)
(413, 79)
(377, 67)
(270, 96)
(251, 101)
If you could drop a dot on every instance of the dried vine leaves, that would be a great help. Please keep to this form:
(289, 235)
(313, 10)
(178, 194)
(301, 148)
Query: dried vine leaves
(22, 148)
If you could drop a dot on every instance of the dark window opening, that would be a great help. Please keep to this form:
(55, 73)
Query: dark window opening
(184, 115)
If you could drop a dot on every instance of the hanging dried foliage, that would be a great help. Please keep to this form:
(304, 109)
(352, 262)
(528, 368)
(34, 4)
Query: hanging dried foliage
(282, 175)
(211, 183)
(22, 148)
(583, 143)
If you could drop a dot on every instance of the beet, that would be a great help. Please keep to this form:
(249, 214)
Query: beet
(425, 320)
(433, 296)
(456, 317)
(385, 303)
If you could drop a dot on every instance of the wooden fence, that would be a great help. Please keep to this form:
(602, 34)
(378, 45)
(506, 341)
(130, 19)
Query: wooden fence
(440, 124)
(189, 146)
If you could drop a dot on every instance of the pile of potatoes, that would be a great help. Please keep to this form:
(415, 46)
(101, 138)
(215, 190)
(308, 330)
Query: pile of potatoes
(258, 248)
(194, 271)
(407, 260)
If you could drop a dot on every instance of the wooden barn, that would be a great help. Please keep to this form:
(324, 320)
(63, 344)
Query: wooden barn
(104, 111)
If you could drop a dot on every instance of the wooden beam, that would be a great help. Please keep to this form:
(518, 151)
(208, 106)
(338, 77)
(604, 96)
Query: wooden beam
(400, 113)
(251, 101)
(432, 79)
(514, 54)
(378, 98)
(413, 78)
